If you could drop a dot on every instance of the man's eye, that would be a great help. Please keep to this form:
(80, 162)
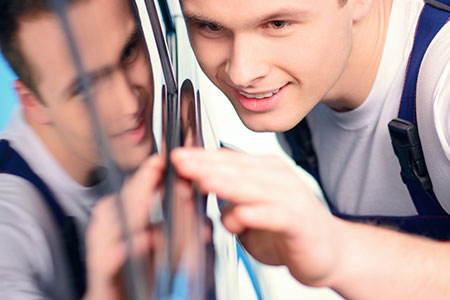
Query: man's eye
(210, 27)
(130, 53)
(78, 90)
(278, 24)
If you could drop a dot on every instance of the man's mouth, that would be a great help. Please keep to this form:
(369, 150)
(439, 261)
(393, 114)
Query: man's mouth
(259, 95)
(139, 122)
(137, 132)
(260, 101)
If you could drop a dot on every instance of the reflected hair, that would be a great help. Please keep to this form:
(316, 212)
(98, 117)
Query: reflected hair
(12, 13)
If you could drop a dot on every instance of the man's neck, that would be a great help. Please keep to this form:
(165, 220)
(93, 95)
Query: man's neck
(78, 169)
(369, 36)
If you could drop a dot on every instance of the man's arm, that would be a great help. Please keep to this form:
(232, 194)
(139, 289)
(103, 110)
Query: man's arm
(280, 221)
(378, 263)
(29, 245)
(105, 251)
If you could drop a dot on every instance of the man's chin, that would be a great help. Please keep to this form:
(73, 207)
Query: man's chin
(272, 124)
(132, 159)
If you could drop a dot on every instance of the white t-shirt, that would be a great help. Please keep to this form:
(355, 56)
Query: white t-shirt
(32, 262)
(359, 170)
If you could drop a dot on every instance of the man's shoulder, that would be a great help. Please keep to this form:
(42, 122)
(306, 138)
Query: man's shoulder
(23, 208)
(21, 201)
(437, 56)
(30, 255)
(433, 84)
(433, 112)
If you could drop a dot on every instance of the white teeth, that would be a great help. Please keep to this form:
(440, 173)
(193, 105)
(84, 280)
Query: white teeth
(259, 96)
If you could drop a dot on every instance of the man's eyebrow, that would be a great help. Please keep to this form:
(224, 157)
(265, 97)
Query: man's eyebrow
(76, 85)
(193, 19)
(285, 13)
(130, 40)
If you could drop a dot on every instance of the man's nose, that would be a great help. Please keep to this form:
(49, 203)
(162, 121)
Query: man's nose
(127, 96)
(246, 65)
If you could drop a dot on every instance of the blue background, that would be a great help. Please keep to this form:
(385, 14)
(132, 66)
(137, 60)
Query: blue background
(8, 98)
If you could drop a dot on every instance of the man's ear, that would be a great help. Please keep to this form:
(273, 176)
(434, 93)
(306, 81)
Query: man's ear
(33, 108)
(360, 8)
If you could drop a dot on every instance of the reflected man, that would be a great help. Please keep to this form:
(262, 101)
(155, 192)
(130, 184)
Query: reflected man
(53, 135)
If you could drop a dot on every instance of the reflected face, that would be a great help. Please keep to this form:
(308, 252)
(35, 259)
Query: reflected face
(117, 64)
(274, 60)
(187, 116)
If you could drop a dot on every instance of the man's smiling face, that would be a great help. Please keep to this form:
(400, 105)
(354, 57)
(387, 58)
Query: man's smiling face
(114, 56)
(274, 60)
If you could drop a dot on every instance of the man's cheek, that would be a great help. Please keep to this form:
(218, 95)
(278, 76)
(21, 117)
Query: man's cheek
(201, 49)
(207, 62)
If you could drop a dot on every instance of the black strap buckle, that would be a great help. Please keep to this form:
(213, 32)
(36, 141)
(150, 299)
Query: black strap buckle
(406, 143)
(438, 4)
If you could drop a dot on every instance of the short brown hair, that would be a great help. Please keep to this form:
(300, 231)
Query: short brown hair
(12, 12)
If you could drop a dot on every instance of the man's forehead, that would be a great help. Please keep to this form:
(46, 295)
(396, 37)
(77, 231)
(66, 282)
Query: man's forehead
(101, 28)
(245, 13)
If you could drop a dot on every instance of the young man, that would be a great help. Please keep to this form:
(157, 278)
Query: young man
(343, 64)
(52, 134)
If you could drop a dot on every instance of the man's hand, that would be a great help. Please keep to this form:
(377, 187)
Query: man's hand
(281, 222)
(277, 217)
(105, 251)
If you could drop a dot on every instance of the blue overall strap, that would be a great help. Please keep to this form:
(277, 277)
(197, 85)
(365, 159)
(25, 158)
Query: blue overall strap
(432, 220)
(436, 227)
(403, 130)
(433, 227)
(303, 152)
(12, 163)
(242, 257)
